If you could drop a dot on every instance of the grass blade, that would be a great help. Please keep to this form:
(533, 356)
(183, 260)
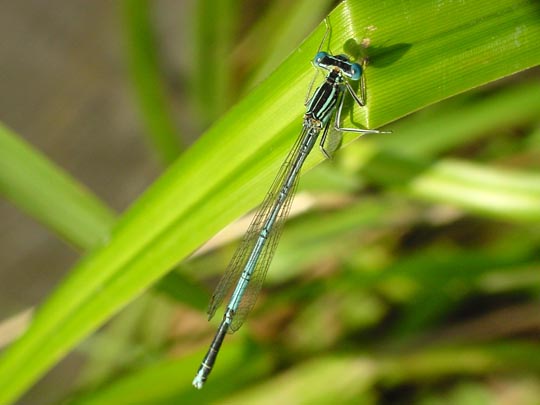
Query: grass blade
(51, 196)
(147, 79)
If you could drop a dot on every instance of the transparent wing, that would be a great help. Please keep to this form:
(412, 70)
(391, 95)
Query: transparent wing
(228, 281)
(265, 258)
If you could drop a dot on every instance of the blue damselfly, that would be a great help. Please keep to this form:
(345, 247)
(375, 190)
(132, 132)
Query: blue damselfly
(247, 270)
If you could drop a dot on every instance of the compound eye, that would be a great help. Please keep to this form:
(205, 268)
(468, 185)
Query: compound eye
(356, 71)
(319, 58)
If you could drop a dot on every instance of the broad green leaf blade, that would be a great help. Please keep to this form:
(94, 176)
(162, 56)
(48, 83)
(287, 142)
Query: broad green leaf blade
(424, 51)
(147, 79)
(51, 196)
(227, 171)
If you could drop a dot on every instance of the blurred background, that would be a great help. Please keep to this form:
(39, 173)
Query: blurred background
(66, 90)
(416, 301)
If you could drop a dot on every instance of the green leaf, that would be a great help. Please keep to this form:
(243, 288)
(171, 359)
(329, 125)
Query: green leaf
(51, 196)
(147, 79)
(451, 47)
(169, 381)
(212, 75)
(308, 382)
(505, 194)
(419, 53)
(348, 379)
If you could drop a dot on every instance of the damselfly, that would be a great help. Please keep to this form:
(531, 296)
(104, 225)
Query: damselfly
(247, 270)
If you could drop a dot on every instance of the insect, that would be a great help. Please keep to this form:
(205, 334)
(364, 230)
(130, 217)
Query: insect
(248, 267)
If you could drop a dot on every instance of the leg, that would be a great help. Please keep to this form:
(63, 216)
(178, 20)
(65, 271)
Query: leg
(327, 23)
(363, 83)
(361, 103)
(323, 141)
